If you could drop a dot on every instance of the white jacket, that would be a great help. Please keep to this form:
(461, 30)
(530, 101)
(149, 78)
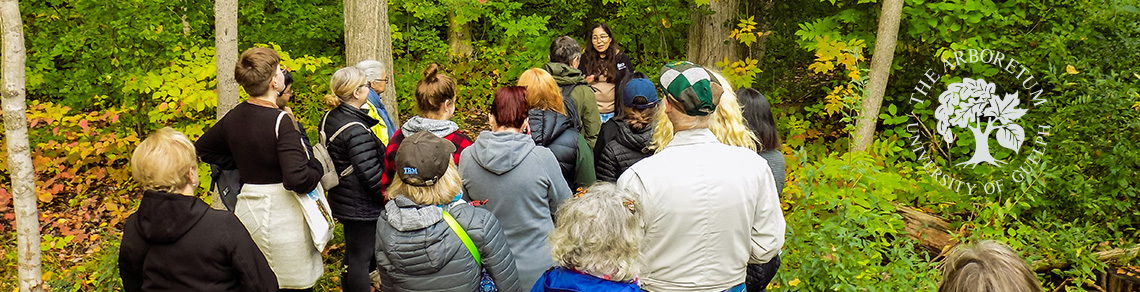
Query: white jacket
(709, 209)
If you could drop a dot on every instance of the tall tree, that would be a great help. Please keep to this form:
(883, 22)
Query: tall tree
(708, 35)
(458, 34)
(12, 87)
(881, 61)
(226, 53)
(367, 35)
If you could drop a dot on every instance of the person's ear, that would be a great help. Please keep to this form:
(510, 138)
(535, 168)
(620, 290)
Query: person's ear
(491, 121)
(361, 94)
(526, 125)
(193, 176)
(665, 103)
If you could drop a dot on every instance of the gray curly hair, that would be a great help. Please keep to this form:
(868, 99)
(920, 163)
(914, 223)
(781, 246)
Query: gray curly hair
(599, 233)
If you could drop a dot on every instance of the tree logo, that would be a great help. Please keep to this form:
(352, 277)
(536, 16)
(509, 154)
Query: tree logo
(972, 104)
(976, 123)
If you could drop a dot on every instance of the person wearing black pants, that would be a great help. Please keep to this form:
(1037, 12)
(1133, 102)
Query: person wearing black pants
(358, 156)
(360, 247)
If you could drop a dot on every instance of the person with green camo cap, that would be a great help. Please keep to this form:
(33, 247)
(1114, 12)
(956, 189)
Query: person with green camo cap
(708, 211)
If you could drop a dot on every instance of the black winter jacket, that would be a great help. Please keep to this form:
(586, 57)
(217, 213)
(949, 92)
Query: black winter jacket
(177, 243)
(556, 132)
(358, 196)
(625, 148)
(417, 251)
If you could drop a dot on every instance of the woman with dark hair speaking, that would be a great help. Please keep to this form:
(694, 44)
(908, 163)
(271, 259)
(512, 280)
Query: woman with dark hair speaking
(605, 65)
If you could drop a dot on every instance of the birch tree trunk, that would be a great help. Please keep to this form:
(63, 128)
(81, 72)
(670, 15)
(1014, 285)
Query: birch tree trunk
(19, 154)
(226, 53)
(709, 34)
(367, 35)
(885, 42)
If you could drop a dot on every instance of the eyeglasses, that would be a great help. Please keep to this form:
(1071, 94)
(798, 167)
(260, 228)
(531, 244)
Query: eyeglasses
(381, 80)
(598, 38)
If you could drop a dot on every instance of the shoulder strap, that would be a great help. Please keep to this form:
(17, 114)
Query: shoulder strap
(345, 127)
(462, 236)
(277, 127)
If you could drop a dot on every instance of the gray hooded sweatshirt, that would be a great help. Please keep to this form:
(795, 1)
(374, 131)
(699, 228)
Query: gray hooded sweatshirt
(522, 186)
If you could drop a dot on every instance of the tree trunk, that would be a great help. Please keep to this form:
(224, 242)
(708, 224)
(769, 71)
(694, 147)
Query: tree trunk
(885, 42)
(709, 40)
(368, 36)
(361, 31)
(20, 168)
(389, 95)
(458, 37)
(226, 53)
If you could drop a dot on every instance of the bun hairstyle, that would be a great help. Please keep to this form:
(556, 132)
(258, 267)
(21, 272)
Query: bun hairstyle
(434, 90)
(343, 85)
(255, 68)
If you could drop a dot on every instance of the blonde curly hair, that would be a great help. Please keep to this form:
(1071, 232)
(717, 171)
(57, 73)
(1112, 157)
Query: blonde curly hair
(727, 124)
(600, 233)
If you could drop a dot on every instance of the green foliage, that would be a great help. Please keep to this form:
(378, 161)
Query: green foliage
(844, 234)
(102, 74)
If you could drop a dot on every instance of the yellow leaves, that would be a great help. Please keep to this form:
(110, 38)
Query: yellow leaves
(841, 98)
(832, 53)
(1136, 106)
(665, 22)
(1071, 70)
(794, 282)
(747, 24)
(821, 67)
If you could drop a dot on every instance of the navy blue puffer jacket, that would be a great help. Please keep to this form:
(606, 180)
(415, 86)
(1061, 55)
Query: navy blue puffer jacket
(556, 132)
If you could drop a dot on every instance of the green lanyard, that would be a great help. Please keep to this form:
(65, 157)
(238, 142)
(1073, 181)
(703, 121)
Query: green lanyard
(462, 236)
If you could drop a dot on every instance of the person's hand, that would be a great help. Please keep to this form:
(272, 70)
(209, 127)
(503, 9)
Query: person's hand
(590, 79)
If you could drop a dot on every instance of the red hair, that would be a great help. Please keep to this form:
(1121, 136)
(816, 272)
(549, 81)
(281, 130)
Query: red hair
(509, 106)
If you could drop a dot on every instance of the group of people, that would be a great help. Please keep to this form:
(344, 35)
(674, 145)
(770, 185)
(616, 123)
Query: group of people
(592, 177)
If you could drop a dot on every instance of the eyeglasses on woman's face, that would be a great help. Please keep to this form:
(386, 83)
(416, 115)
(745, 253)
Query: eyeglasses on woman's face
(599, 38)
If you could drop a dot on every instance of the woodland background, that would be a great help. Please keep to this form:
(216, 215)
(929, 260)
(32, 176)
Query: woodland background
(102, 74)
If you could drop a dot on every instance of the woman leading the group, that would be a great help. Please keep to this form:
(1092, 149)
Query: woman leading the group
(605, 66)
(263, 143)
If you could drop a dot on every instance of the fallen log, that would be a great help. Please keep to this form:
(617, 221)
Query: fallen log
(1107, 256)
(932, 232)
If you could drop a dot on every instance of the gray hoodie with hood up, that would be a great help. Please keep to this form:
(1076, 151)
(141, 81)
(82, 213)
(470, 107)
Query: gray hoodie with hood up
(523, 187)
